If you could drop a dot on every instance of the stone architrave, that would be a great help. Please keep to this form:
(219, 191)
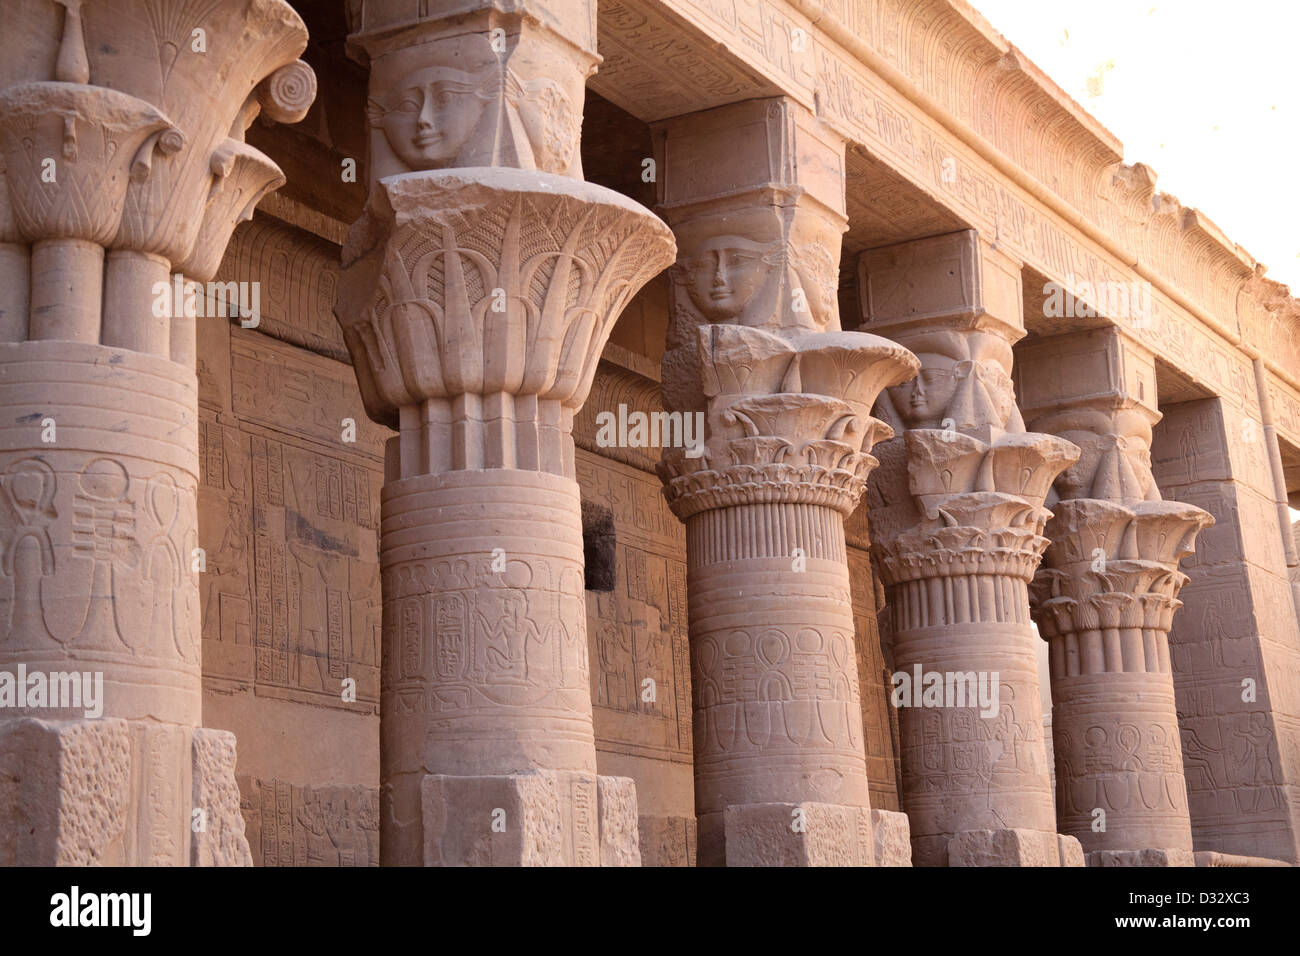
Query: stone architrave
(1106, 594)
(124, 166)
(478, 290)
(957, 514)
(755, 195)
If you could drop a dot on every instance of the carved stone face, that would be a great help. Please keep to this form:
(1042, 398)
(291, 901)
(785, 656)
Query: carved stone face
(430, 117)
(922, 401)
(724, 275)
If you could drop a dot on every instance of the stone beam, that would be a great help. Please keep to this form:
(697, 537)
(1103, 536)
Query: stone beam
(478, 290)
(958, 517)
(124, 171)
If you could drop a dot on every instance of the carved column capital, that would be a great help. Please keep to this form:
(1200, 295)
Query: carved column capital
(787, 419)
(476, 305)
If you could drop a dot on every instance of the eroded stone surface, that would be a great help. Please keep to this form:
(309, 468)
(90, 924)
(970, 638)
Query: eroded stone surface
(1014, 847)
(891, 839)
(804, 834)
(1071, 850)
(1148, 857)
(65, 790)
(219, 838)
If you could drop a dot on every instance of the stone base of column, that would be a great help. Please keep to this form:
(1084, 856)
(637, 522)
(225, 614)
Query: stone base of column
(539, 818)
(218, 834)
(667, 841)
(1013, 847)
(1149, 857)
(1214, 858)
(1070, 850)
(798, 834)
(891, 838)
(111, 792)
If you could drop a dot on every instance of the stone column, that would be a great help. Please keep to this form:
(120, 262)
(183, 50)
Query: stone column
(958, 516)
(478, 290)
(1235, 645)
(121, 137)
(755, 195)
(1105, 600)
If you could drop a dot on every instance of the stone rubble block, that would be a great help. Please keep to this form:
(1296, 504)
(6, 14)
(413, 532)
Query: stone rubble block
(798, 834)
(1148, 857)
(1012, 847)
(1071, 850)
(64, 792)
(539, 818)
(618, 825)
(1214, 858)
(891, 838)
(221, 840)
(667, 841)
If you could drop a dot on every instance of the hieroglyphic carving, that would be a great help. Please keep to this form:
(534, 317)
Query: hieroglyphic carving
(1237, 624)
(293, 825)
(291, 593)
(298, 276)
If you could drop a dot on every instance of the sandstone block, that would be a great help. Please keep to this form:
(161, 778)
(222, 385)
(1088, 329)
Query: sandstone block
(539, 818)
(891, 839)
(618, 827)
(218, 839)
(64, 792)
(1012, 847)
(1071, 850)
(798, 834)
(1148, 857)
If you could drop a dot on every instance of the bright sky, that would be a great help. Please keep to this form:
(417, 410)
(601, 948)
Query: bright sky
(1204, 92)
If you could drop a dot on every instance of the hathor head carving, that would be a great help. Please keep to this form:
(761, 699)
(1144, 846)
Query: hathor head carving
(724, 274)
(963, 384)
(456, 101)
(429, 117)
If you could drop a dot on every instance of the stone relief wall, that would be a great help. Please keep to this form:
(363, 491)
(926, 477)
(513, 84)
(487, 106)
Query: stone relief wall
(289, 518)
